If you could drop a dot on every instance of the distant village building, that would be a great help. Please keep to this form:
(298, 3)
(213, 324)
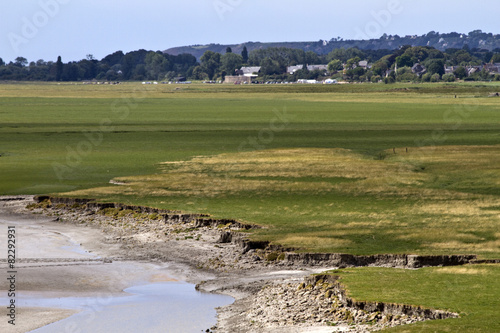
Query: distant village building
(472, 70)
(244, 75)
(330, 81)
(237, 79)
(363, 64)
(492, 68)
(292, 69)
(418, 69)
(304, 81)
(249, 71)
(317, 68)
(449, 70)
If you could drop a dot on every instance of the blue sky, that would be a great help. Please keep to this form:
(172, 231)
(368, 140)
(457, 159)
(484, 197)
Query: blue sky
(44, 29)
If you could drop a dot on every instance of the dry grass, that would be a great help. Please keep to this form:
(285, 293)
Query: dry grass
(462, 270)
(430, 199)
(290, 170)
(312, 242)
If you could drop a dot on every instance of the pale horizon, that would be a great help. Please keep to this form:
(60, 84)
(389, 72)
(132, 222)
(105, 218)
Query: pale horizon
(46, 29)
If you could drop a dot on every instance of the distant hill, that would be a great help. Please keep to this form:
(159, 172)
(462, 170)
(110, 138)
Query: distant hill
(474, 39)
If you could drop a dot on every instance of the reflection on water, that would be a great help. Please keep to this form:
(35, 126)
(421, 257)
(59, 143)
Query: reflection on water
(159, 307)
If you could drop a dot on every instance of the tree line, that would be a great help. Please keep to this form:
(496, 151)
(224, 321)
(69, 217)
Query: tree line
(440, 41)
(388, 65)
(136, 65)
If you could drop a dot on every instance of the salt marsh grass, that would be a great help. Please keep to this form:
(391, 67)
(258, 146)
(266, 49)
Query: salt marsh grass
(361, 169)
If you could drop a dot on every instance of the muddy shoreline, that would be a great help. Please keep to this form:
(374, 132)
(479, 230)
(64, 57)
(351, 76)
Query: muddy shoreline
(217, 256)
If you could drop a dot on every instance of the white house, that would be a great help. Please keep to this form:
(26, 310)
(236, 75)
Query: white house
(249, 71)
(317, 67)
(363, 63)
(292, 69)
(330, 81)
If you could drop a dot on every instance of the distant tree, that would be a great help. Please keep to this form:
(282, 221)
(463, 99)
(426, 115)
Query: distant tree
(484, 74)
(426, 77)
(461, 57)
(417, 54)
(88, 69)
(404, 60)
(354, 74)
(156, 65)
(111, 75)
(436, 66)
(353, 62)
(402, 50)
(312, 58)
(169, 76)
(435, 77)
(244, 54)
(199, 74)
(271, 67)
(59, 69)
(183, 64)
(70, 72)
(230, 62)
(477, 32)
(405, 74)
(139, 72)
(389, 79)
(128, 65)
(20, 62)
(449, 78)
(39, 71)
(335, 65)
(210, 63)
(284, 56)
(2, 62)
(345, 54)
(488, 56)
(381, 66)
(304, 72)
(229, 50)
(494, 59)
(113, 59)
(435, 53)
(460, 72)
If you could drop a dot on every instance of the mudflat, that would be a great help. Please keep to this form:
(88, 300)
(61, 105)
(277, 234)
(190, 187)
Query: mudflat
(56, 259)
(65, 250)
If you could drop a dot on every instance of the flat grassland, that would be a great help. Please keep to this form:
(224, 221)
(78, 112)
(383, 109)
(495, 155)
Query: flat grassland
(362, 169)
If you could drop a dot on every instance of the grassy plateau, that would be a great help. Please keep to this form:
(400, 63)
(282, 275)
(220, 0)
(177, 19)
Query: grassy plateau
(361, 169)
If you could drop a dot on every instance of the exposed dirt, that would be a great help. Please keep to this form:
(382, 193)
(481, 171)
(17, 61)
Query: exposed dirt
(272, 286)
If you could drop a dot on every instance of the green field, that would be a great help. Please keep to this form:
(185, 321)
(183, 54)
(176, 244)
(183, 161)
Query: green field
(362, 168)
(470, 291)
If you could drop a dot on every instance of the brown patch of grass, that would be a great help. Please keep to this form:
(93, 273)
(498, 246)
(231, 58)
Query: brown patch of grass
(312, 242)
(443, 213)
(462, 270)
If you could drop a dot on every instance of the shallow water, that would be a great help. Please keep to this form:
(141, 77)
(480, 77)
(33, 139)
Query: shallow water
(158, 307)
(155, 307)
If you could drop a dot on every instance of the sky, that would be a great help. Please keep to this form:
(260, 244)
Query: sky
(72, 29)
